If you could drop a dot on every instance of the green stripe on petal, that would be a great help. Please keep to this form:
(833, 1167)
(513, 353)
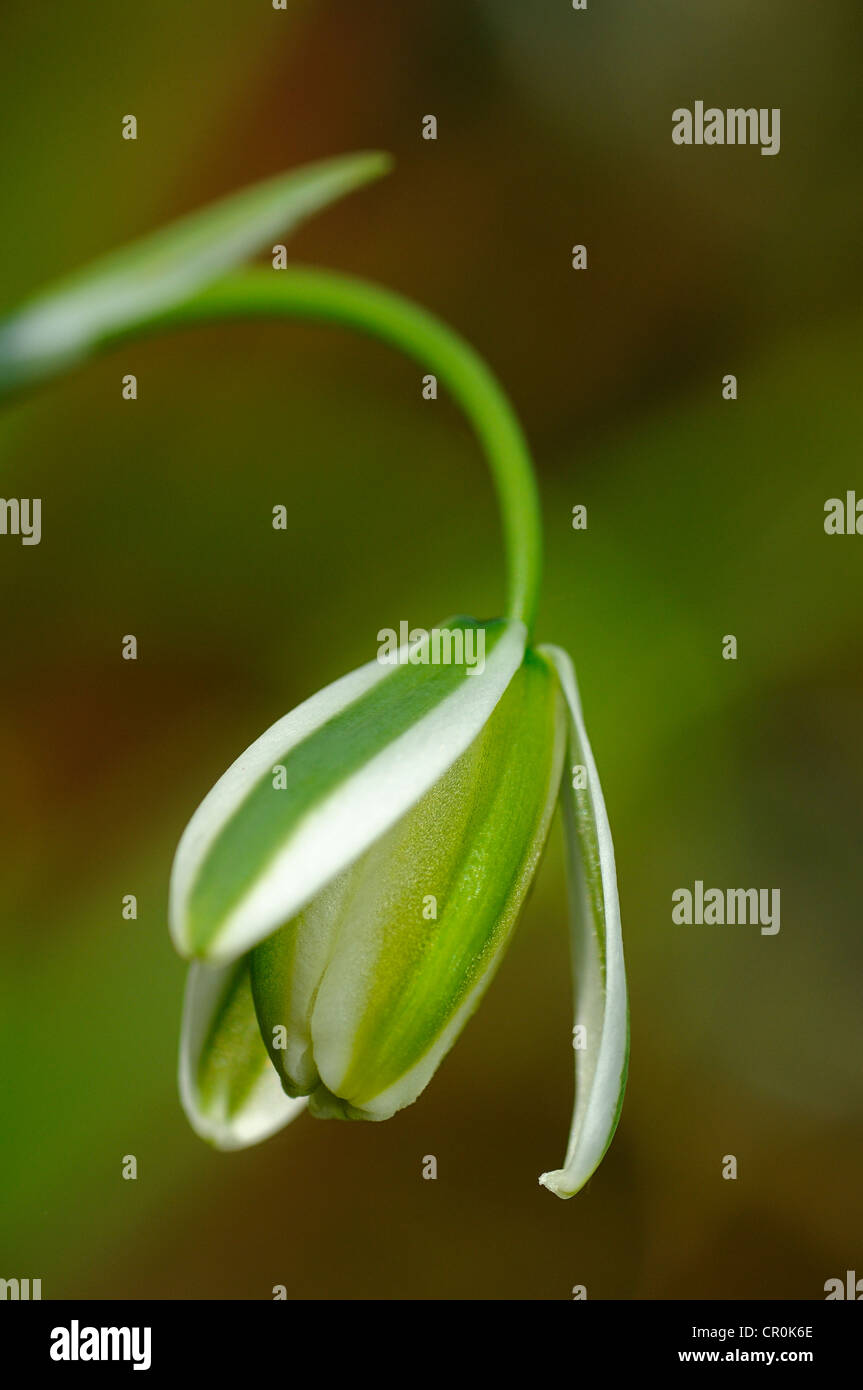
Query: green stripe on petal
(420, 923)
(68, 322)
(286, 971)
(228, 1088)
(601, 1007)
(315, 791)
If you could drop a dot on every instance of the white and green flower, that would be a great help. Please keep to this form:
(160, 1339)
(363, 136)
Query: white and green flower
(350, 884)
(347, 889)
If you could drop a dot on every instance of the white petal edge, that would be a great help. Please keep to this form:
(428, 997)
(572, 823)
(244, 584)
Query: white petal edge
(267, 1110)
(357, 813)
(600, 1001)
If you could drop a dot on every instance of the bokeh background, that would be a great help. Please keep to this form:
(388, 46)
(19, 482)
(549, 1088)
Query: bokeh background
(704, 518)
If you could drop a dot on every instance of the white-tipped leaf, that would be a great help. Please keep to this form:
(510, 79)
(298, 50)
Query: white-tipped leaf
(601, 1036)
(228, 1087)
(319, 787)
(67, 322)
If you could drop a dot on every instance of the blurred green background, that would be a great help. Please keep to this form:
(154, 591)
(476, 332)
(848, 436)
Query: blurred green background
(704, 518)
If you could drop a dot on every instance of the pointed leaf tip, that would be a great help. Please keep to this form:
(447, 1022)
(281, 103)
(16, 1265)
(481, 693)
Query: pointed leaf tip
(64, 324)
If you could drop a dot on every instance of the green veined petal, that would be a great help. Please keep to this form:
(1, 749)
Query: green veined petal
(416, 929)
(597, 957)
(64, 324)
(286, 971)
(228, 1088)
(355, 758)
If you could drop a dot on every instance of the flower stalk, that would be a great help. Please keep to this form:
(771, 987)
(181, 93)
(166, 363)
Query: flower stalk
(319, 971)
(324, 296)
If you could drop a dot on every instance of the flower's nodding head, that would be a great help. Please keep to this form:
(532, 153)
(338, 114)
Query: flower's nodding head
(352, 881)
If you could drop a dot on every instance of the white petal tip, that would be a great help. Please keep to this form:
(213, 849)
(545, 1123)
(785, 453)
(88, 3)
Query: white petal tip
(558, 1183)
(230, 1137)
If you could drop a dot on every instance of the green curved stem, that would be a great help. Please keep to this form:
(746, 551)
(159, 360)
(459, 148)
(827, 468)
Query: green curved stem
(323, 295)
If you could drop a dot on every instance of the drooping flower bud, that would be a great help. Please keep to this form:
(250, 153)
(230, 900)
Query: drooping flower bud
(361, 995)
